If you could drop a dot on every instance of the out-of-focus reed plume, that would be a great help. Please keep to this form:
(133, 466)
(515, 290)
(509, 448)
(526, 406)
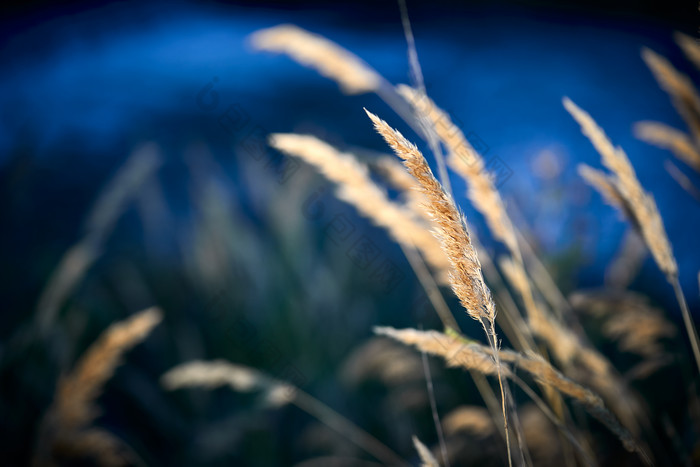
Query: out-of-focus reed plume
(329, 59)
(638, 204)
(680, 89)
(473, 420)
(627, 261)
(111, 202)
(690, 47)
(275, 393)
(629, 318)
(669, 138)
(383, 359)
(66, 432)
(458, 353)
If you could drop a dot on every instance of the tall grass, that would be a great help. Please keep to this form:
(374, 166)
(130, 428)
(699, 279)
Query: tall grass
(560, 380)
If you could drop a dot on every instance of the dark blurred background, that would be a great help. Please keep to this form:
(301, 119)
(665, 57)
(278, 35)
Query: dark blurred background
(224, 229)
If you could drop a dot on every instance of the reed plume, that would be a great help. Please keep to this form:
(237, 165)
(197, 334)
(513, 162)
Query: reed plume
(105, 212)
(66, 428)
(465, 272)
(628, 318)
(450, 228)
(471, 419)
(666, 137)
(637, 203)
(275, 393)
(329, 59)
(640, 206)
(690, 47)
(628, 260)
(680, 89)
(357, 188)
(458, 353)
(466, 161)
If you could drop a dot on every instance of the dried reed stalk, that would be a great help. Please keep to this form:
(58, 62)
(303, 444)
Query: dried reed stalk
(450, 228)
(329, 59)
(466, 161)
(465, 273)
(426, 457)
(460, 353)
(66, 429)
(623, 180)
(639, 204)
(276, 393)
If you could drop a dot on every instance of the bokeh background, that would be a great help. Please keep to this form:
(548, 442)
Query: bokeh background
(225, 234)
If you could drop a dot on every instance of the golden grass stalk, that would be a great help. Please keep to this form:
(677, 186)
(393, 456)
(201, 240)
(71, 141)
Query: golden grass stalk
(469, 355)
(666, 137)
(100, 222)
(426, 457)
(465, 273)
(357, 188)
(276, 393)
(640, 205)
(66, 427)
(329, 59)
(683, 94)
(450, 228)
